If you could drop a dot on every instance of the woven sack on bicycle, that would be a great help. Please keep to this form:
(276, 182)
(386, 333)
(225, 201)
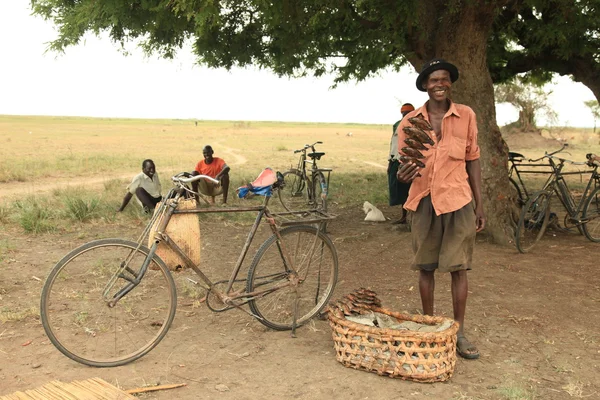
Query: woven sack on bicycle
(420, 348)
(184, 230)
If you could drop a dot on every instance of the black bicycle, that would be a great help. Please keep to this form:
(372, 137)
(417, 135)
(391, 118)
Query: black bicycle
(304, 186)
(583, 214)
(519, 166)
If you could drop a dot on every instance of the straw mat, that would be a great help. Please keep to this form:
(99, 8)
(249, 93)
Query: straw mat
(89, 389)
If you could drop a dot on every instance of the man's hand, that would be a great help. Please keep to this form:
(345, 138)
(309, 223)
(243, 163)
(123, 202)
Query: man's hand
(479, 218)
(407, 172)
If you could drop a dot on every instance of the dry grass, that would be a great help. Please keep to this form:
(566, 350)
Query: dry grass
(57, 147)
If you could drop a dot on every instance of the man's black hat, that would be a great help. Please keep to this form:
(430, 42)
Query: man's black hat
(434, 65)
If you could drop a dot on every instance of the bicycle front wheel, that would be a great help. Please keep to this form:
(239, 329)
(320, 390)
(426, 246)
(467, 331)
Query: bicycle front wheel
(591, 216)
(533, 221)
(292, 194)
(295, 276)
(78, 319)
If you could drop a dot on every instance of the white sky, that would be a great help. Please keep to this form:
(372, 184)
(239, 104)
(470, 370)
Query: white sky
(95, 79)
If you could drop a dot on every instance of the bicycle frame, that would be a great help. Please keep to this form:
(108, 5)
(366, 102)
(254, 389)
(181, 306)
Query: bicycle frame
(314, 171)
(516, 169)
(556, 183)
(229, 298)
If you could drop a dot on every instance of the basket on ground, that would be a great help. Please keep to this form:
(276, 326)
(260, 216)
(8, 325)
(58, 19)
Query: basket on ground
(397, 353)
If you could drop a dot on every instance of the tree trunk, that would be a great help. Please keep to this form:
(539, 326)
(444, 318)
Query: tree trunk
(462, 40)
(527, 120)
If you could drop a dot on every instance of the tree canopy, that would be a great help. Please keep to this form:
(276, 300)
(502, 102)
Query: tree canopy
(545, 37)
(352, 39)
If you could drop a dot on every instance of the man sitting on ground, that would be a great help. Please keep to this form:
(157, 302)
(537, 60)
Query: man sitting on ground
(146, 187)
(216, 168)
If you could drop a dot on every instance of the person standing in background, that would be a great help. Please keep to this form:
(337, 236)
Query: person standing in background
(398, 190)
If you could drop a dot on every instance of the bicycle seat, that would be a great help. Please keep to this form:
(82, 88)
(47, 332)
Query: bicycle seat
(515, 156)
(315, 155)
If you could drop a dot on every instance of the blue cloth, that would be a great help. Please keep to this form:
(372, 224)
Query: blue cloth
(260, 190)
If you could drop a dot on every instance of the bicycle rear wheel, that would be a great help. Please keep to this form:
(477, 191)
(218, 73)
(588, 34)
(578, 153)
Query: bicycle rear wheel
(292, 194)
(521, 200)
(320, 190)
(77, 318)
(591, 214)
(533, 221)
(304, 253)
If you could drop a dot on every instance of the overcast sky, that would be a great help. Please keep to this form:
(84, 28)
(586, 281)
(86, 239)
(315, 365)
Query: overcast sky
(95, 79)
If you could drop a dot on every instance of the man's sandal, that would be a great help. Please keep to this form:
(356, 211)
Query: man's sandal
(466, 349)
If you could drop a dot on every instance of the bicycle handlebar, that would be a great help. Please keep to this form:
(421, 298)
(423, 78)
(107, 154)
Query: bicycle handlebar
(183, 178)
(549, 155)
(307, 146)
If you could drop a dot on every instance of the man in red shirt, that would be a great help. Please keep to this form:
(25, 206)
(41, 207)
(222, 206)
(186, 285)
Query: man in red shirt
(445, 197)
(216, 168)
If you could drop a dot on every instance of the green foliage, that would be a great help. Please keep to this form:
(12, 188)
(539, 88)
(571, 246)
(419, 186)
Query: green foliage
(35, 215)
(543, 37)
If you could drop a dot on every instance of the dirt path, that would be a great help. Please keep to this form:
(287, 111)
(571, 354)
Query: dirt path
(239, 159)
(535, 318)
(15, 189)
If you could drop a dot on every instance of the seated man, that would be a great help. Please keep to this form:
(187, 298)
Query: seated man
(216, 168)
(145, 186)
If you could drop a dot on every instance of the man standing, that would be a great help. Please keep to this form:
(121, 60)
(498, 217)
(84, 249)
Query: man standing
(445, 196)
(145, 186)
(215, 168)
(398, 190)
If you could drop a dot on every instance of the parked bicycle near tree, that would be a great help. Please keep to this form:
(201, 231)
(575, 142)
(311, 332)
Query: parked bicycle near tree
(111, 301)
(518, 166)
(583, 214)
(302, 186)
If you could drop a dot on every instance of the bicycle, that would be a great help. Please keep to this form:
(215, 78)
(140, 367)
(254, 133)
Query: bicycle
(584, 214)
(517, 165)
(110, 301)
(300, 187)
(515, 160)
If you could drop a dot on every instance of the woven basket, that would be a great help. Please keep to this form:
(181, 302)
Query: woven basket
(403, 354)
(184, 230)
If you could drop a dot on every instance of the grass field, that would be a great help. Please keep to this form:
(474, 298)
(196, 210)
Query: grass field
(62, 150)
(53, 147)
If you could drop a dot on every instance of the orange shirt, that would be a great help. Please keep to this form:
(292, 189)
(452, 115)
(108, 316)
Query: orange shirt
(445, 174)
(211, 169)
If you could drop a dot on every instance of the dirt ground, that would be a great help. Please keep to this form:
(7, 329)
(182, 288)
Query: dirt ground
(534, 317)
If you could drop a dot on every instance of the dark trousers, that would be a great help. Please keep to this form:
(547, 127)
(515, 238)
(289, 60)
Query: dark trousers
(148, 201)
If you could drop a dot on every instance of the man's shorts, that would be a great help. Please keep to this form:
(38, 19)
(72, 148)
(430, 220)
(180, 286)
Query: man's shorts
(208, 188)
(442, 242)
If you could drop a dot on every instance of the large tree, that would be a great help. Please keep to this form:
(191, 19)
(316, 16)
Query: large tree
(353, 39)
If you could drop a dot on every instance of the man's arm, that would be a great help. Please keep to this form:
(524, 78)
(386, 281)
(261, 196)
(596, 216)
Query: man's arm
(126, 199)
(474, 172)
(135, 183)
(224, 171)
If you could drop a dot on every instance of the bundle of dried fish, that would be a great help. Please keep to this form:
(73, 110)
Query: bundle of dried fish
(416, 140)
(358, 302)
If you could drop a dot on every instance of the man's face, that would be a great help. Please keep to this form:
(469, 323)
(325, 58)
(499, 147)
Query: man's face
(438, 85)
(207, 154)
(149, 169)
